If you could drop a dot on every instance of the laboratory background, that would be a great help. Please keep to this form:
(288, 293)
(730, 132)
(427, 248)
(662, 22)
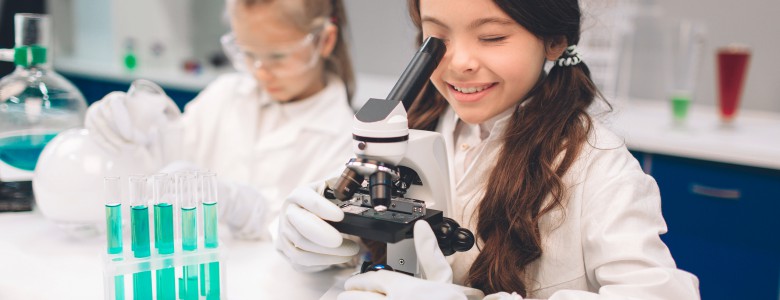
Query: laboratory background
(693, 89)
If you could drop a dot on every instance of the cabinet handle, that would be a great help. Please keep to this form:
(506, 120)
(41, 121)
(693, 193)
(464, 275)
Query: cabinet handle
(702, 190)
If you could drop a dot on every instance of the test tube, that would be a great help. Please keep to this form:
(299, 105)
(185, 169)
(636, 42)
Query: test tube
(113, 197)
(163, 233)
(209, 274)
(139, 223)
(208, 183)
(186, 187)
(163, 213)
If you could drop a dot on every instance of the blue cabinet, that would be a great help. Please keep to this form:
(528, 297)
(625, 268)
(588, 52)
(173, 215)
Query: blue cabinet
(95, 89)
(723, 224)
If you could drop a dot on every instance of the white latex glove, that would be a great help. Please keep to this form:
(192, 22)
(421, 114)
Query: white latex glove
(305, 239)
(394, 285)
(240, 206)
(138, 118)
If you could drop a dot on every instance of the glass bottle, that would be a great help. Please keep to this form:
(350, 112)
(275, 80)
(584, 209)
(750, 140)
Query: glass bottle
(36, 103)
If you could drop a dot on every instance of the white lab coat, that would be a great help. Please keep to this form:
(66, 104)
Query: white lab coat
(608, 244)
(311, 137)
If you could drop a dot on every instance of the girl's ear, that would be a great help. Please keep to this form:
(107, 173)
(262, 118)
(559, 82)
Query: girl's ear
(329, 37)
(553, 48)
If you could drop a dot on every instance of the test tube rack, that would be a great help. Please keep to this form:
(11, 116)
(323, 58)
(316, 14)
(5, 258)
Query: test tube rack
(124, 265)
(159, 265)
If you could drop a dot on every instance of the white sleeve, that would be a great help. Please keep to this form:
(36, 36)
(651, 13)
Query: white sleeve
(243, 209)
(621, 226)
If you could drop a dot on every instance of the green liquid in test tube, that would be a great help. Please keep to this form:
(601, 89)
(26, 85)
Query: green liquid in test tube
(139, 220)
(113, 196)
(162, 195)
(209, 273)
(139, 223)
(680, 104)
(186, 185)
(114, 228)
(189, 228)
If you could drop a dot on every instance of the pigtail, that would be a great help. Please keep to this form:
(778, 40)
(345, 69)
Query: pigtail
(510, 212)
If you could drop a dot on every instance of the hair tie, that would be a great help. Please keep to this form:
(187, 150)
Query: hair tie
(334, 10)
(570, 57)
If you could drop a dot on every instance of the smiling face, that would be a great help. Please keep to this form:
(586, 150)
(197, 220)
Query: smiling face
(491, 62)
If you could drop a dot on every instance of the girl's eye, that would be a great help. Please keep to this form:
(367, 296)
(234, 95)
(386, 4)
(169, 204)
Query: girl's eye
(493, 39)
(276, 56)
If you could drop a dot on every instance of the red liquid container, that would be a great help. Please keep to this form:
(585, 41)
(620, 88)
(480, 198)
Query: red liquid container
(732, 69)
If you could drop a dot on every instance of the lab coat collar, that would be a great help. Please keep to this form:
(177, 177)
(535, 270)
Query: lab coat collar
(315, 113)
(310, 112)
(495, 127)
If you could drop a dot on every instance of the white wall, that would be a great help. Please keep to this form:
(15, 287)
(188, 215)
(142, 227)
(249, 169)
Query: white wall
(382, 36)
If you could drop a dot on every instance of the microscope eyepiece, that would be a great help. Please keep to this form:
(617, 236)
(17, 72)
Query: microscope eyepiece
(418, 71)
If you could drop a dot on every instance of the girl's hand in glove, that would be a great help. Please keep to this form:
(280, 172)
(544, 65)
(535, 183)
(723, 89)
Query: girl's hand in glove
(138, 118)
(305, 239)
(393, 285)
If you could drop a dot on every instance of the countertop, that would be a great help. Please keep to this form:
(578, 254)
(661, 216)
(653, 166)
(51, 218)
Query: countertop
(752, 139)
(38, 260)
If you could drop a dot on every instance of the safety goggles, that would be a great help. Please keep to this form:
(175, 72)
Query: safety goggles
(281, 62)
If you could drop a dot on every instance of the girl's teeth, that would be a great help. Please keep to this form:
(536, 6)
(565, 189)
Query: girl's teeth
(470, 90)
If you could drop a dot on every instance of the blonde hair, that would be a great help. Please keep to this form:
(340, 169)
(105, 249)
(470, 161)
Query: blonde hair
(309, 14)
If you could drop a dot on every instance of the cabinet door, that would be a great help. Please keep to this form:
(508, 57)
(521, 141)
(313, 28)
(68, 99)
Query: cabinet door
(723, 223)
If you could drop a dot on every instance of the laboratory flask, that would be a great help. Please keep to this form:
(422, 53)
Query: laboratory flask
(36, 104)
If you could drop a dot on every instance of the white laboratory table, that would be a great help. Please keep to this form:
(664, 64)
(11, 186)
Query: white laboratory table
(38, 260)
(752, 139)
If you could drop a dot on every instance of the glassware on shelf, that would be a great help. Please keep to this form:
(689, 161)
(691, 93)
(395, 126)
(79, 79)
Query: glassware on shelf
(732, 64)
(687, 46)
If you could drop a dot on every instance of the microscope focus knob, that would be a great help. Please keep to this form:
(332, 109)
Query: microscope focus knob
(452, 237)
(464, 240)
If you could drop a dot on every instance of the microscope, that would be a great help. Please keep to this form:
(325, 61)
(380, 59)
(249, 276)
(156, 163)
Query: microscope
(399, 176)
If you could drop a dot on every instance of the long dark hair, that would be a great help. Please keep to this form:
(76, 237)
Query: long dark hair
(539, 145)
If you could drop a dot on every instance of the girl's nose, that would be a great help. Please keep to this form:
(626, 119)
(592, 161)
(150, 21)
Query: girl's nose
(263, 75)
(461, 58)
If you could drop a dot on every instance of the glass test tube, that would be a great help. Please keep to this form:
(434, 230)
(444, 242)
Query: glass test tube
(139, 222)
(163, 233)
(186, 185)
(113, 197)
(208, 183)
(209, 274)
(163, 213)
